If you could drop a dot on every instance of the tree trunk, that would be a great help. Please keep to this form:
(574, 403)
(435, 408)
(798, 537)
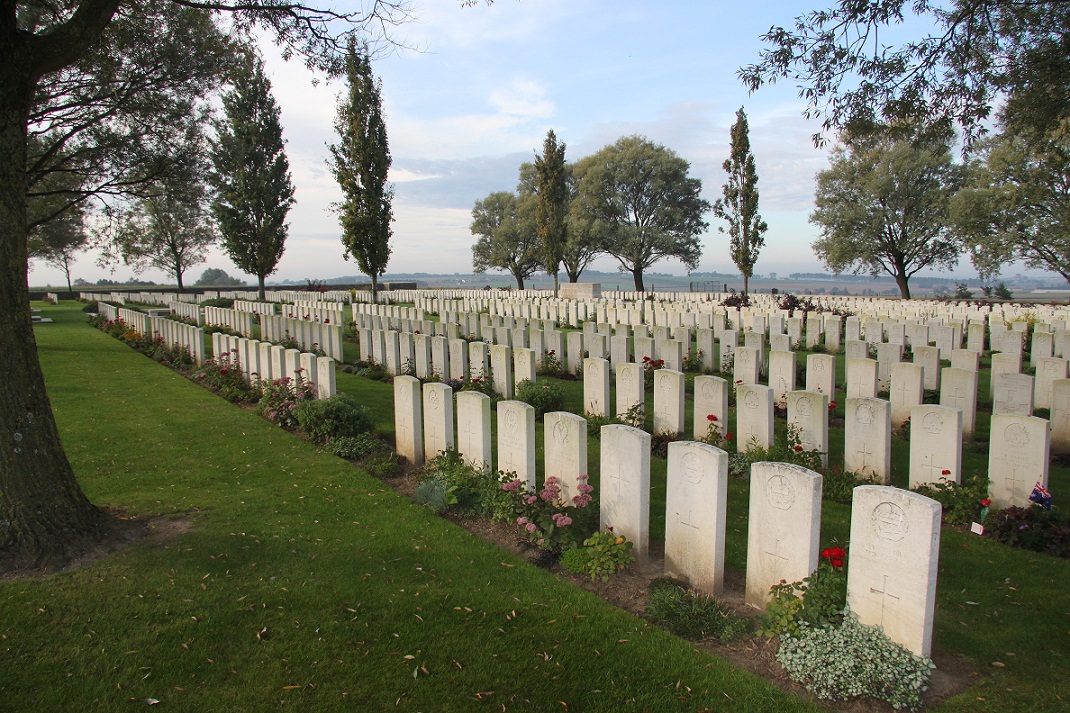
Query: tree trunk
(375, 288)
(46, 518)
(746, 284)
(557, 285)
(519, 282)
(637, 278)
(262, 294)
(904, 286)
(178, 279)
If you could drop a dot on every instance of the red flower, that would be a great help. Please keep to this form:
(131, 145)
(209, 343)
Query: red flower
(711, 417)
(728, 436)
(832, 405)
(945, 471)
(986, 502)
(834, 555)
(798, 447)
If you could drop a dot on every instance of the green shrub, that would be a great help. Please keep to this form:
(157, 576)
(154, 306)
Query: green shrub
(838, 485)
(473, 491)
(852, 660)
(225, 377)
(602, 555)
(334, 417)
(816, 601)
(543, 396)
(358, 447)
(693, 615)
(436, 493)
(280, 398)
(225, 302)
(961, 501)
(1032, 528)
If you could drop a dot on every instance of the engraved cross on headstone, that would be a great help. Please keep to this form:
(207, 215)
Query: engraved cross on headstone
(885, 596)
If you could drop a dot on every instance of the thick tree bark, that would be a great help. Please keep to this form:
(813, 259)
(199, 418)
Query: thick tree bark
(904, 285)
(637, 278)
(45, 518)
(260, 291)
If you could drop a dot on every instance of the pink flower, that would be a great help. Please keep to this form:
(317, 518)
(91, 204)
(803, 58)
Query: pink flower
(521, 521)
(531, 527)
(531, 499)
(512, 485)
(562, 520)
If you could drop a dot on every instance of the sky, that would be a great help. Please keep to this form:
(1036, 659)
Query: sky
(477, 88)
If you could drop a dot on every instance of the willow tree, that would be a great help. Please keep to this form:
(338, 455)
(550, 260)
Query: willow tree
(360, 162)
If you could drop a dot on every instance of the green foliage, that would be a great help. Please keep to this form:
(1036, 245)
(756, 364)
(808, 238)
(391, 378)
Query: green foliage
(553, 200)
(226, 302)
(816, 601)
(739, 204)
(853, 660)
(553, 366)
(882, 206)
(1032, 528)
(640, 205)
(467, 490)
(507, 239)
(372, 370)
(693, 615)
(602, 555)
(961, 501)
(214, 277)
(339, 416)
(789, 450)
(281, 397)
(542, 395)
(436, 493)
(360, 162)
(251, 175)
(838, 485)
(358, 447)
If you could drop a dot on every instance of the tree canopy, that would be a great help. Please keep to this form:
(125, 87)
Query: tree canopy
(62, 65)
(640, 205)
(1015, 204)
(552, 204)
(851, 77)
(739, 204)
(360, 162)
(251, 174)
(507, 237)
(882, 206)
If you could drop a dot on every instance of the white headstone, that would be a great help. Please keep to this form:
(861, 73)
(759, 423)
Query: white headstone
(408, 419)
(895, 550)
(668, 401)
(695, 513)
(783, 527)
(565, 448)
(867, 449)
(438, 419)
(754, 416)
(473, 429)
(711, 399)
(516, 441)
(907, 391)
(808, 415)
(1018, 457)
(596, 386)
(935, 444)
(624, 501)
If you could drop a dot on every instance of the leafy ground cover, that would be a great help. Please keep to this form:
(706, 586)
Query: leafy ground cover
(289, 578)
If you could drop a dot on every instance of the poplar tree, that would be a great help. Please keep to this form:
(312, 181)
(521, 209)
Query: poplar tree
(552, 206)
(360, 162)
(739, 206)
(251, 175)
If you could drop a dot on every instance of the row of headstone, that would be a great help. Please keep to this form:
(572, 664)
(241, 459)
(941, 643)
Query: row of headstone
(266, 362)
(186, 310)
(325, 312)
(179, 334)
(232, 319)
(310, 335)
(894, 536)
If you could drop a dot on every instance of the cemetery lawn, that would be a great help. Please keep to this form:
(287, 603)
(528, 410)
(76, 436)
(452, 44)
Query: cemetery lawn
(279, 576)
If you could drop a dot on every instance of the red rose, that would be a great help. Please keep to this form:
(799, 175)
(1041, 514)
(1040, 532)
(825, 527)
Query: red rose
(711, 418)
(798, 447)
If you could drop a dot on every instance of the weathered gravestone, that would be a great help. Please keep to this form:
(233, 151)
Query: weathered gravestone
(438, 419)
(907, 391)
(754, 416)
(624, 503)
(784, 525)
(867, 449)
(695, 513)
(408, 419)
(711, 399)
(516, 441)
(895, 549)
(1018, 457)
(473, 429)
(565, 447)
(668, 401)
(935, 444)
(596, 386)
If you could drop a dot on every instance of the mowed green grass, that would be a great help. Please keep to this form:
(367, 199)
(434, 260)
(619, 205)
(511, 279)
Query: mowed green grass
(305, 583)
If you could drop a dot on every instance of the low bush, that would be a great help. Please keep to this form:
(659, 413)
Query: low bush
(853, 660)
(336, 417)
(358, 447)
(543, 396)
(962, 502)
(691, 614)
(281, 397)
(1032, 528)
(602, 555)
